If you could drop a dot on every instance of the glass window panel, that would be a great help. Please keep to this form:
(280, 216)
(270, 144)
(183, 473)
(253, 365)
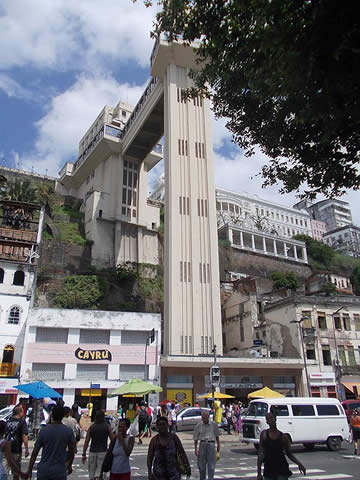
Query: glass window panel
(303, 410)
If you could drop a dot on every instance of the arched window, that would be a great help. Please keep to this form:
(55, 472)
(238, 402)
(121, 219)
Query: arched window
(8, 354)
(1, 275)
(19, 278)
(14, 316)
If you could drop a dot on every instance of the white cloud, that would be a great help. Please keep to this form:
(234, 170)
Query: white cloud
(13, 88)
(69, 115)
(63, 34)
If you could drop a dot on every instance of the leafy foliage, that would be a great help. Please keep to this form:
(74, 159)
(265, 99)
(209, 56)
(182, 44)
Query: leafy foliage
(318, 251)
(20, 191)
(284, 73)
(328, 288)
(80, 291)
(285, 280)
(355, 280)
(126, 272)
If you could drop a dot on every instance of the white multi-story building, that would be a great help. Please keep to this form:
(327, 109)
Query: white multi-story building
(345, 240)
(334, 212)
(19, 242)
(88, 353)
(112, 183)
(257, 214)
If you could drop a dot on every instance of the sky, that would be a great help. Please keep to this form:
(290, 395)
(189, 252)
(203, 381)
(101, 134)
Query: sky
(61, 61)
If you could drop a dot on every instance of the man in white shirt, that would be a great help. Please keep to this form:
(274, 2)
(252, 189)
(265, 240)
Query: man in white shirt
(206, 433)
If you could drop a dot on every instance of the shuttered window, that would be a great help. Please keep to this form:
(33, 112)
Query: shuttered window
(95, 336)
(92, 372)
(51, 335)
(48, 371)
(133, 337)
(127, 372)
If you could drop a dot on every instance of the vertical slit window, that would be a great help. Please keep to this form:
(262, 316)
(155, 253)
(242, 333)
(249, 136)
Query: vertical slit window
(182, 343)
(125, 177)
(203, 150)
(190, 344)
(196, 150)
(186, 346)
(134, 199)
(184, 205)
(208, 273)
(210, 344)
(202, 344)
(179, 146)
(135, 180)
(181, 271)
(206, 345)
(130, 179)
(186, 147)
(185, 271)
(188, 205)
(204, 273)
(129, 197)
(202, 208)
(180, 206)
(206, 207)
(189, 272)
(182, 147)
(198, 204)
(178, 95)
(124, 196)
(200, 272)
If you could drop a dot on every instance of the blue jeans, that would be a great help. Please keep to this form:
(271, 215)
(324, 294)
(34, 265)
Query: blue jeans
(3, 476)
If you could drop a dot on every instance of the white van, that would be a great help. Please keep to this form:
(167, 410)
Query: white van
(306, 420)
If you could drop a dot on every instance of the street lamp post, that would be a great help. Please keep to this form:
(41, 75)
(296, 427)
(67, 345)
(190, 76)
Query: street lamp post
(299, 322)
(337, 368)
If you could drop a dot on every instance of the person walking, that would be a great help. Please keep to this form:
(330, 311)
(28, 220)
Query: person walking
(355, 427)
(17, 434)
(207, 433)
(5, 452)
(70, 422)
(166, 458)
(143, 421)
(97, 436)
(76, 412)
(58, 449)
(120, 449)
(172, 418)
(228, 416)
(272, 449)
(218, 412)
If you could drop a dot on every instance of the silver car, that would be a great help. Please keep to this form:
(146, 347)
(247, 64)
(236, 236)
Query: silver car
(188, 417)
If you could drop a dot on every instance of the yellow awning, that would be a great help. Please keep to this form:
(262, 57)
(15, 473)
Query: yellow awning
(265, 392)
(350, 386)
(216, 395)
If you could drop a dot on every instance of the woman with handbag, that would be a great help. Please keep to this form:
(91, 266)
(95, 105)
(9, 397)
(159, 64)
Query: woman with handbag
(117, 458)
(166, 459)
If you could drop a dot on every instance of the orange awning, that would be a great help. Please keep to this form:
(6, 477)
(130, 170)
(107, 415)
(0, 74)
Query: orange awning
(350, 386)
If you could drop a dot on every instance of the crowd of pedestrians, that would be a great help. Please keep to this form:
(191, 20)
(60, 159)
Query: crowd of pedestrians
(110, 451)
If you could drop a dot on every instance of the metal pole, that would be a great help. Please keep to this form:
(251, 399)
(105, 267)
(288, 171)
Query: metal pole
(304, 355)
(146, 345)
(212, 385)
(337, 361)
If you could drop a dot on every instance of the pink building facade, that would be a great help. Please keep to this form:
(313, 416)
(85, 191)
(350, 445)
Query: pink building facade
(318, 229)
(85, 353)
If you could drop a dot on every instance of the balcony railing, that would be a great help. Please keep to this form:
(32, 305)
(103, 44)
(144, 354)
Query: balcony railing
(8, 369)
(350, 370)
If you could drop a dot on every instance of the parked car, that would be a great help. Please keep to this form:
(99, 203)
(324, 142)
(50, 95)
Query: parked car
(305, 420)
(6, 413)
(188, 417)
(349, 406)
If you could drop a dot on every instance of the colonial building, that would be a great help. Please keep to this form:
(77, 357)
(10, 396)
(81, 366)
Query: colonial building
(88, 353)
(20, 235)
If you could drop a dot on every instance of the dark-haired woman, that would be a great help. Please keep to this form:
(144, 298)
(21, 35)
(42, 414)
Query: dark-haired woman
(165, 452)
(121, 446)
(97, 436)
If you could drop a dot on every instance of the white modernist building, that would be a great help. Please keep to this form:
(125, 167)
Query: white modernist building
(76, 351)
(334, 212)
(344, 239)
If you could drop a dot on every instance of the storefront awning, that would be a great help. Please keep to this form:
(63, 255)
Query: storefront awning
(350, 386)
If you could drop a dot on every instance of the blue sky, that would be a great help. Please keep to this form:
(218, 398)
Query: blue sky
(61, 61)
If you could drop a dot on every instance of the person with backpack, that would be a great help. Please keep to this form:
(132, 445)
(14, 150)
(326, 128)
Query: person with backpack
(17, 434)
(5, 452)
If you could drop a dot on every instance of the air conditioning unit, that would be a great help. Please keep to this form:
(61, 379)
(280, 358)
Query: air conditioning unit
(274, 354)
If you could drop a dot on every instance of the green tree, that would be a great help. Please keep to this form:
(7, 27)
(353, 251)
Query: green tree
(318, 251)
(80, 291)
(21, 191)
(355, 280)
(285, 74)
(285, 280)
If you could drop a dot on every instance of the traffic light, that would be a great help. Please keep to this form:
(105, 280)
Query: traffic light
(152, 335)
(215, 375)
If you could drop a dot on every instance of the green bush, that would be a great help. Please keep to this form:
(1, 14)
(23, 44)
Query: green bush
(285, 280)
(320, 253)
(80, 291)
(126, 272)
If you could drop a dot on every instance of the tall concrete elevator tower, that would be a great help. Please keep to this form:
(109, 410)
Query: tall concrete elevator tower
(192, 296)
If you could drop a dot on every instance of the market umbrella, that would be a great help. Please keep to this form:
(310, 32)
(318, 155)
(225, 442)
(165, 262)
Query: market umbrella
(38, 390)
(216, 395)
(135, 387)
(265, 392)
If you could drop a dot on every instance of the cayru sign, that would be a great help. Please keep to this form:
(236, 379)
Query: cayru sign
(93, 354)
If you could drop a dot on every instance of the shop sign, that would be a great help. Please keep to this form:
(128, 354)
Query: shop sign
(6, 387)
(284, 385)
(91, 392)
(238, 385)
(93, 354)
(180, 395)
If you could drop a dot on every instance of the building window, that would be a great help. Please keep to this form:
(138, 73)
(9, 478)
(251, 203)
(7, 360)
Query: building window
(322, 321)
(89, 336)
(90, 371)
(337, 322)
(133, 337)
(315, 392)
(326, 354)
(51, 335)
(127, 372)
(346, 322)
(310, 351)
(306, 314)
(48, 371)
(19, 278)
(357, 322)
(351, 355)
(1, 275)
(8, 354)
(331, 391)
(342, 357)
(14, 316)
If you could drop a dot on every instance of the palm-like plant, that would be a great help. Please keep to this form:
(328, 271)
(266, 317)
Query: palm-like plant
(18, 216)
(21, 191)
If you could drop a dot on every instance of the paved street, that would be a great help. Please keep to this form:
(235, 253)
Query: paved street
(239, 462)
